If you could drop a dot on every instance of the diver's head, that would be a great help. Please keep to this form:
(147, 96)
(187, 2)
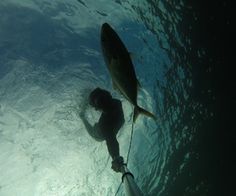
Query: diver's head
(100, 99)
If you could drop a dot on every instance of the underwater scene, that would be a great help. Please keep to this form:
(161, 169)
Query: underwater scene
(52, 56)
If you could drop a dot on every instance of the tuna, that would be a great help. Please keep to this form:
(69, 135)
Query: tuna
(121, 68)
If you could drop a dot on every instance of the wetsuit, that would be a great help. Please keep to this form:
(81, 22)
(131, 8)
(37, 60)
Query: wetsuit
(110, 122)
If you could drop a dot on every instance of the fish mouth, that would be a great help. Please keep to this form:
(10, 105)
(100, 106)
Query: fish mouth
(105, 26)
(106, 29)
(105, 32)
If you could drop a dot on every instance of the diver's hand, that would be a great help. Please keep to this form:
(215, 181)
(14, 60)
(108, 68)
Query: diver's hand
(117, 163)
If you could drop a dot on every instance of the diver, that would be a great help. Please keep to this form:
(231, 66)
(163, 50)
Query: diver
(111, 120)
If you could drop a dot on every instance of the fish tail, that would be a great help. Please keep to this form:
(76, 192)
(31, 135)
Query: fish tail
(138, 110)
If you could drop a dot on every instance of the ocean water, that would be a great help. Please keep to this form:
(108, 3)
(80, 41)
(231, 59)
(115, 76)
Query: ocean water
(50, 59)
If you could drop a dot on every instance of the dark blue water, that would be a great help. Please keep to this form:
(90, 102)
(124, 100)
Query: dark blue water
(50, 58)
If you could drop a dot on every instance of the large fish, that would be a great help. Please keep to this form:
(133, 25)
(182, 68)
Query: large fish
(121, 68)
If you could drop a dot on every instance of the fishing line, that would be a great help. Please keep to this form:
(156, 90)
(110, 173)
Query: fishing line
(131, 138)
(130, 142)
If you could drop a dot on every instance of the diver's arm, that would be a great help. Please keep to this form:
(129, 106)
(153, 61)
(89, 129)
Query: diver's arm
(113, 147)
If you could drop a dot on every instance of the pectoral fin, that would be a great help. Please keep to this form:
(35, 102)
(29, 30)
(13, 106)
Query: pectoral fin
(138, 84)
(131, 55)
(114, 62)
(114, 85)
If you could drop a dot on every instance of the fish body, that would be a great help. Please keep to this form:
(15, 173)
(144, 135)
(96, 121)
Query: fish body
(121, 69)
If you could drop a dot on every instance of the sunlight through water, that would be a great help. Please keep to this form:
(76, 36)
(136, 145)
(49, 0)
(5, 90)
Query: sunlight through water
(50, 59)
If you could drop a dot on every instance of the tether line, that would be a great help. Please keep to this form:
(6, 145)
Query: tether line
(130, 142)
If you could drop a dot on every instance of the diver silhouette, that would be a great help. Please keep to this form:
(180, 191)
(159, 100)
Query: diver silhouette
(108, 125)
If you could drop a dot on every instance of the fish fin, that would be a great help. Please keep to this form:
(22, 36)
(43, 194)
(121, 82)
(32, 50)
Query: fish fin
(139, 85)
(114, 60)
(131, 55)
(114, 85)
(135, 56)
(138, 110)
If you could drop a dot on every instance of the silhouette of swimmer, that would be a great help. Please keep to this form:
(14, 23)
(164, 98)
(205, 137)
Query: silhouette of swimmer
(111, 120)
